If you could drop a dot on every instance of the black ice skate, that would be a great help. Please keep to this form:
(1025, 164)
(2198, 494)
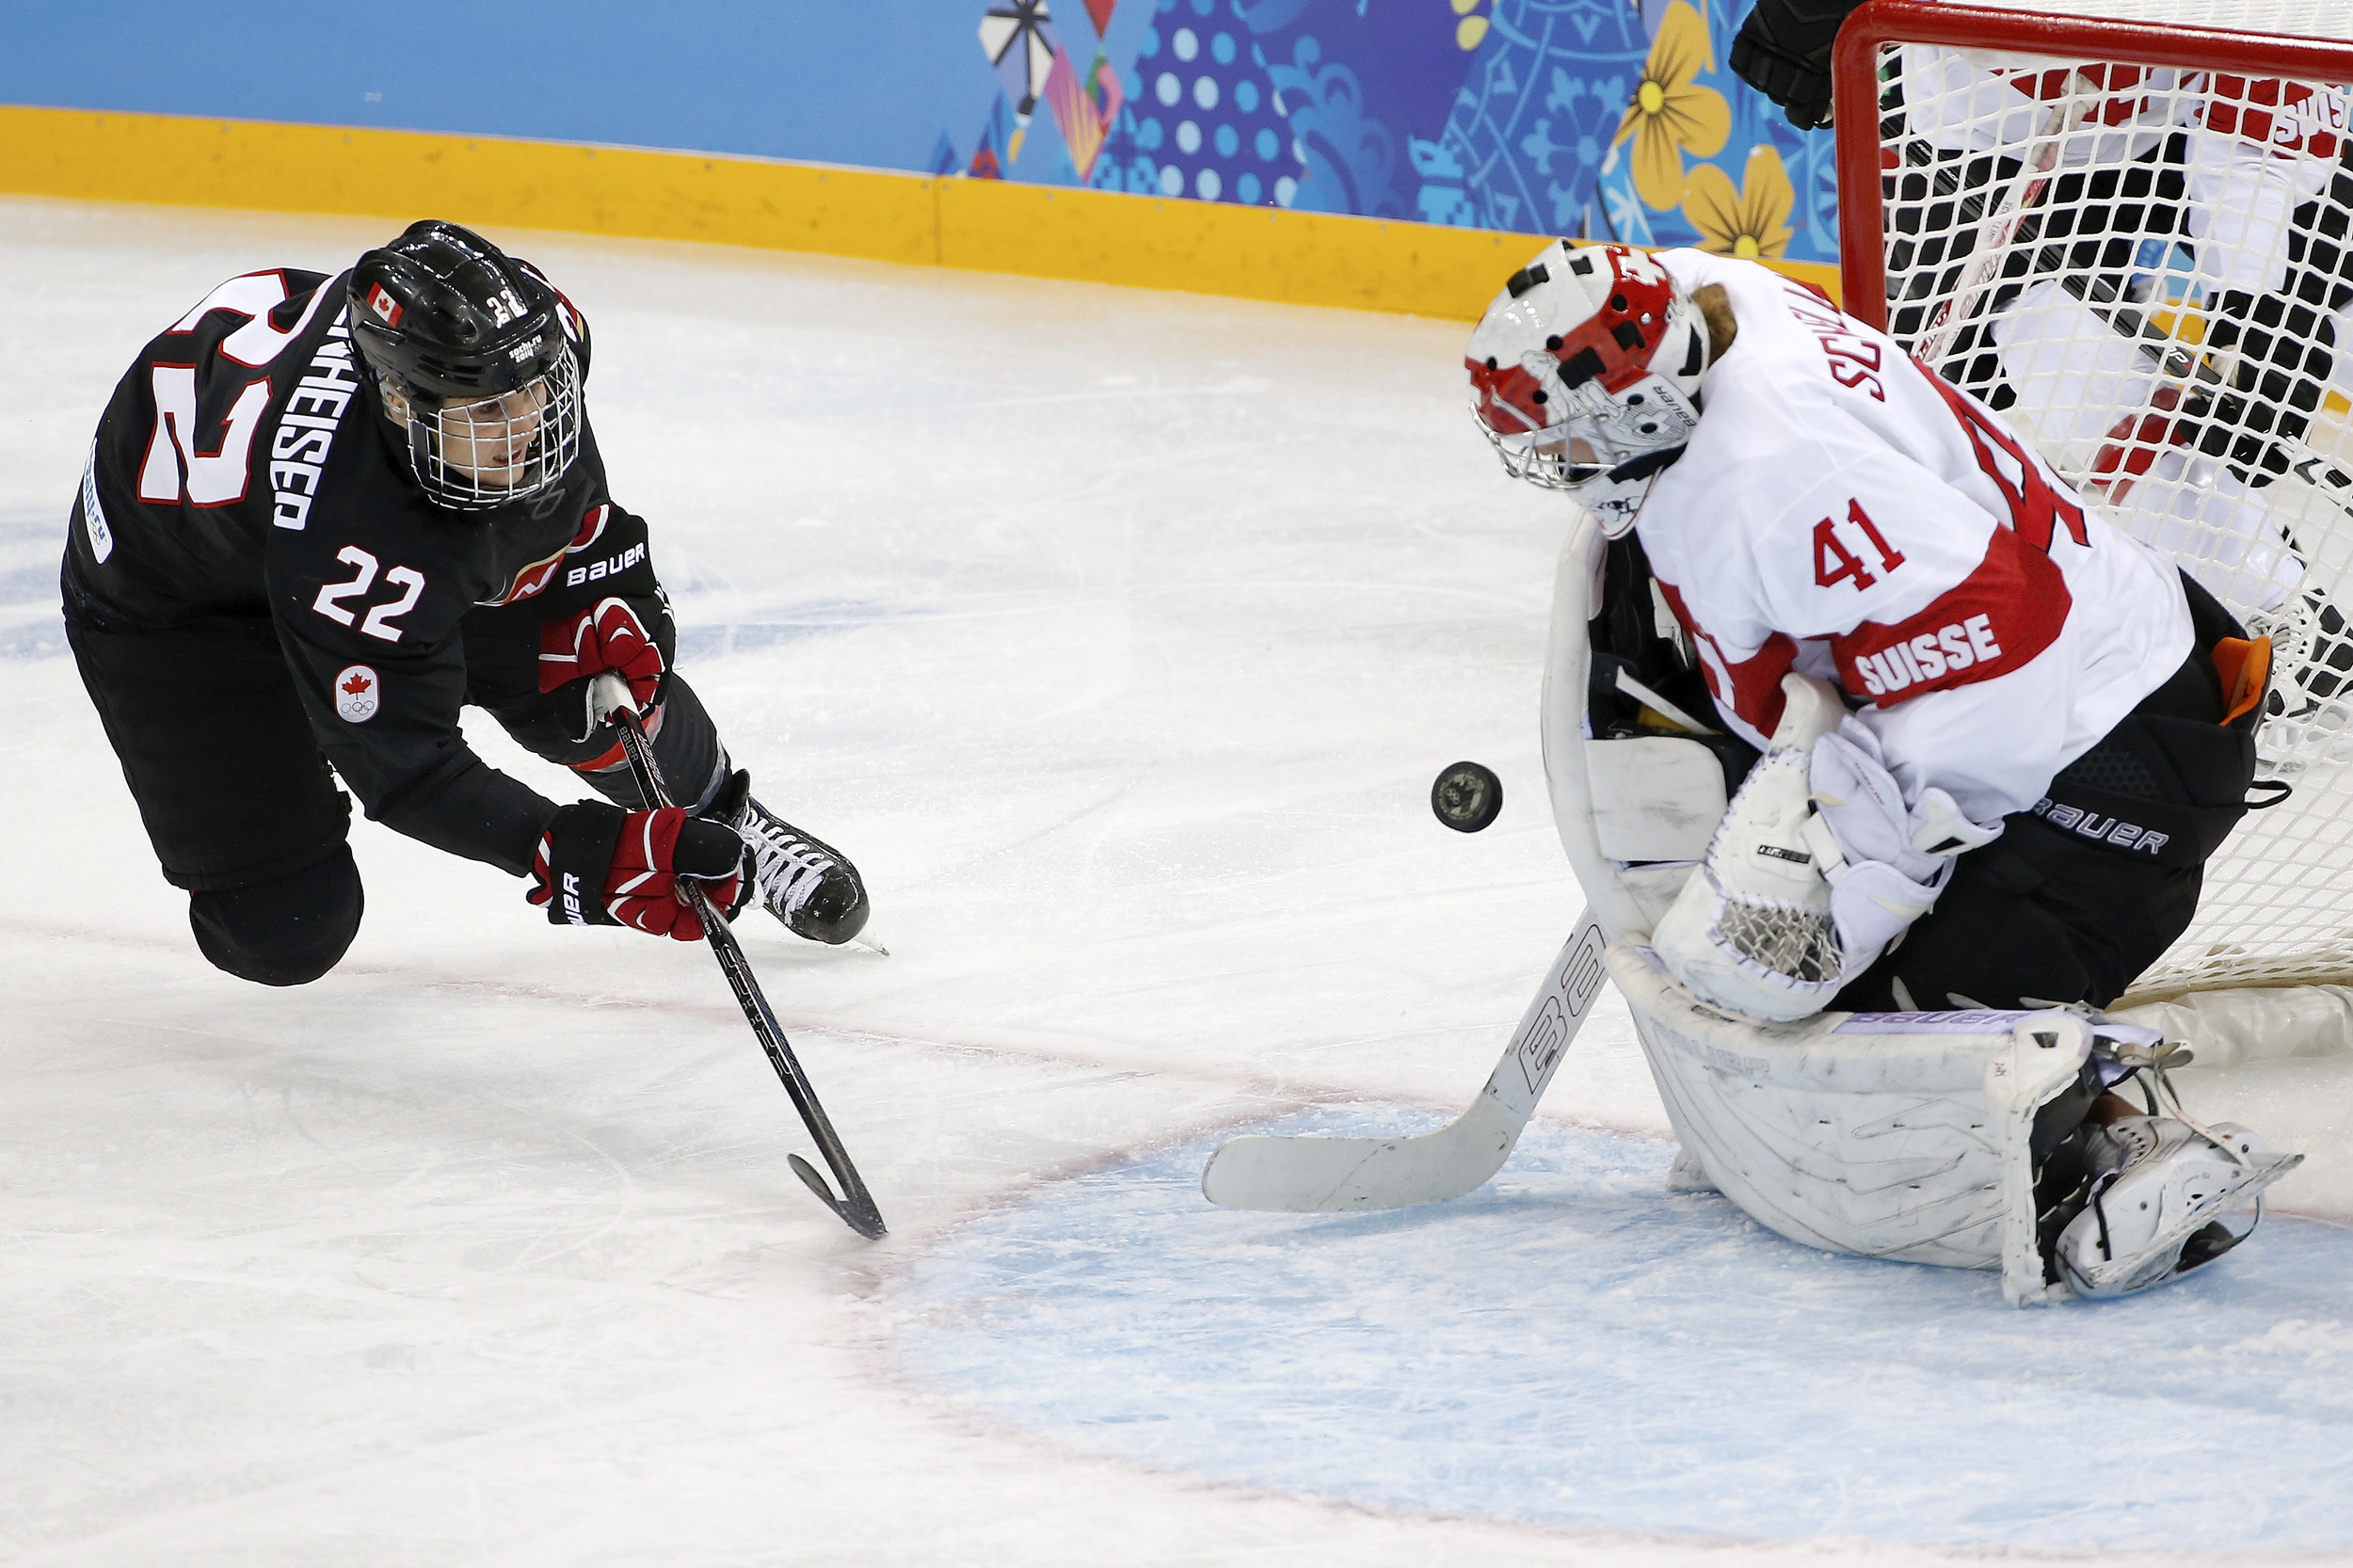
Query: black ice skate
(808, 885)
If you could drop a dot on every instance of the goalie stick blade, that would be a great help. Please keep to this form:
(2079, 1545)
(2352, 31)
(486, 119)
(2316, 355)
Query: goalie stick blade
(1336, 1175)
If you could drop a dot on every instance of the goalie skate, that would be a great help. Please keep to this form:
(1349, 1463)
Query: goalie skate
(2164, 1198)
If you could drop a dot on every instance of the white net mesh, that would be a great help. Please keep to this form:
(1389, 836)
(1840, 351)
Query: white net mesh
(2147, 269)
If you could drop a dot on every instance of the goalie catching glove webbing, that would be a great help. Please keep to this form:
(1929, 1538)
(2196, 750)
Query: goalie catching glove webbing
(1817, 866)
(599, 865)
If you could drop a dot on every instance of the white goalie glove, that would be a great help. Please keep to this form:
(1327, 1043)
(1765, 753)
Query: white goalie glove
(1817, 866)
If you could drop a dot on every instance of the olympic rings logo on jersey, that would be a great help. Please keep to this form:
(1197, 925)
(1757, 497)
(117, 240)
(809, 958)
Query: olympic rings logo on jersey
(359, 693)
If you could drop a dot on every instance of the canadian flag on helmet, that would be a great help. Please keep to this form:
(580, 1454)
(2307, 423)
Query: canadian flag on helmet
(384, 305)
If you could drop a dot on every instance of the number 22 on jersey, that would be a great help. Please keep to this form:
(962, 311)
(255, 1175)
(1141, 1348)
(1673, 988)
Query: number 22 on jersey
(330, 601)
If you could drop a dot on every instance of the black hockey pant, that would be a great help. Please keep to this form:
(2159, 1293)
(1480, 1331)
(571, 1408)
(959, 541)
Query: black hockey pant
(242, 809)
(2082, 893)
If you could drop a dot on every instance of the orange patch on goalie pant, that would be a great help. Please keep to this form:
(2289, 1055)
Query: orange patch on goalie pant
(2246, 670)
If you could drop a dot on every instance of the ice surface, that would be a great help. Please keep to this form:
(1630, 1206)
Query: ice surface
(1117, 636)
(1574, 1345)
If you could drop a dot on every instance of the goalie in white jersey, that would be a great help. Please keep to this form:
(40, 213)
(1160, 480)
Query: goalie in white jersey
(2051, 727)
(1999, 738)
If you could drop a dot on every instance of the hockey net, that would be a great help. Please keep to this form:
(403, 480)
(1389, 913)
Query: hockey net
(2128, 230)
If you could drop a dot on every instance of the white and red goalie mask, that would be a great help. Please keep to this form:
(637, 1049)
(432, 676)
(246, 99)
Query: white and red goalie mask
(1585, 375)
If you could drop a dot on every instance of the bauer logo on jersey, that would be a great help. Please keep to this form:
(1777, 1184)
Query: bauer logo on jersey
(387, 309)
(357, 694)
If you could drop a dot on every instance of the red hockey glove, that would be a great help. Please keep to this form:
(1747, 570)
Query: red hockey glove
(606, 636)
(599, 865)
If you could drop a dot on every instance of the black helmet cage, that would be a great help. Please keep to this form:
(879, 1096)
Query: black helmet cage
(474, 347)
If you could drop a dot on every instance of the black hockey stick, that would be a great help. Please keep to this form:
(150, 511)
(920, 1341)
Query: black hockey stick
(856, 1207)
(2207, 396)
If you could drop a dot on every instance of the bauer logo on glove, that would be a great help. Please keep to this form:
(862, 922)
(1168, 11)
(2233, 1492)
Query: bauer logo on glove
(636, 860)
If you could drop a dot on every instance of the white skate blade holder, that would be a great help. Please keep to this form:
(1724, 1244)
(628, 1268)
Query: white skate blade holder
(2258, 1173)
(1311, 1175)
(610, 694)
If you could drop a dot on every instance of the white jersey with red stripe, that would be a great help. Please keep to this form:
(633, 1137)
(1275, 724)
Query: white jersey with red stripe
(1843, 512)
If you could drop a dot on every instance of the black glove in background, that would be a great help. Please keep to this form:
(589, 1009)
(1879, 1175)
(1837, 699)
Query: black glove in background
(1783, 51)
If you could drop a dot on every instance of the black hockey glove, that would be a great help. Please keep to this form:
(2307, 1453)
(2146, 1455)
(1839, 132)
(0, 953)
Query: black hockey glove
(1783, 51)
(599, 865)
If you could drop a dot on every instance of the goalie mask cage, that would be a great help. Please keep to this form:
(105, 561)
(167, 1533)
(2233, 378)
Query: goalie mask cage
(2128, 230)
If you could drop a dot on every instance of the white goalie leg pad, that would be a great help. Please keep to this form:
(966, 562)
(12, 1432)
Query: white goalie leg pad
(2166, 1196)
(1753, 930)
(1904, 1136)
(1689, 1174)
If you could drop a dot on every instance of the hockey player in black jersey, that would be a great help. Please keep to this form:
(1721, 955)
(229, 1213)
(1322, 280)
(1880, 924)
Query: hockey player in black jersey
(321, 516)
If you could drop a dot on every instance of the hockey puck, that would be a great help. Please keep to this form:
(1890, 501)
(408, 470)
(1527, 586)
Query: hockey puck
(1466, 796)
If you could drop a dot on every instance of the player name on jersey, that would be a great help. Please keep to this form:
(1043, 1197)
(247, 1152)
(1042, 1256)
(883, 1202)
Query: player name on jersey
(306, 431)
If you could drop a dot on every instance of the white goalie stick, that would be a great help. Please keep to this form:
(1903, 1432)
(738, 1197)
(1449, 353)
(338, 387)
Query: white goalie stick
(856, 1207)
(1309, 1175)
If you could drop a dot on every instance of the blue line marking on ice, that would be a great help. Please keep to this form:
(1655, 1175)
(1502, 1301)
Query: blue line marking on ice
(705, 634)
(1573, 1345)
(702, 644)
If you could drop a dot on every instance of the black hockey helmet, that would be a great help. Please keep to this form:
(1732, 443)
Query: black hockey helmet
(472, 347)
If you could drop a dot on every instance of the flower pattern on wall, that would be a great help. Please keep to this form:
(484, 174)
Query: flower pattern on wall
(1589, 119)
(1751, 222)
(1670, 112)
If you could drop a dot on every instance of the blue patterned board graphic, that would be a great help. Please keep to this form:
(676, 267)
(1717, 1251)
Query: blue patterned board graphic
(1575, 1346)
(1499, 113)
(1524, 115)
(1204, 119)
